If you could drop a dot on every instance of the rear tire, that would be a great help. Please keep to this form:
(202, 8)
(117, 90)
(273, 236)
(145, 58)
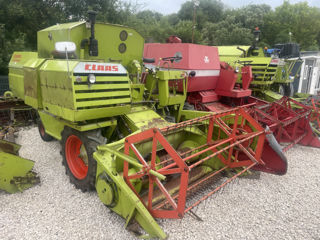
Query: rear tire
(288, 89)
(44, 136)
(188, 106)
(77, 151)
(281, 90)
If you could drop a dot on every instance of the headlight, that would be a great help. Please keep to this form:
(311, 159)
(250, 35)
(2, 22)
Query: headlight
(91, 78)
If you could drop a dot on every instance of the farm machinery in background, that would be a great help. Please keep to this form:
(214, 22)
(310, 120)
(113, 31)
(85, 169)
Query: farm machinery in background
(273, 70)
(109, 111)
(16, 172)
(212, 86)
(313, 102)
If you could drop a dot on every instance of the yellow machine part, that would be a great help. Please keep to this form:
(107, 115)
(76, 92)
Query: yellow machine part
(15, 172)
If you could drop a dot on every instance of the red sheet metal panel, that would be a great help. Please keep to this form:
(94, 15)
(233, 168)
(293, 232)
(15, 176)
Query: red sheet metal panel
(202, 60)
(194, 57)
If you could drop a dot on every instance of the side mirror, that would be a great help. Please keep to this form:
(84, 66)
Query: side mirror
(62, 47)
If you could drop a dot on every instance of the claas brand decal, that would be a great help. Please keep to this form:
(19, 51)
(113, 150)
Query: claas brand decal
(100, 68)
(107, 68)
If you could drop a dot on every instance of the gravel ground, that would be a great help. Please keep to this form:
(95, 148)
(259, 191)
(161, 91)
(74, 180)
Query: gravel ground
(270, 207)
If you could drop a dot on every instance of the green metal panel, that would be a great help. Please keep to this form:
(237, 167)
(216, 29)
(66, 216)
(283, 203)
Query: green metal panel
(13, 166)
(271, 96)
(59, 32)
(143, 118)
(129, 205)
(102, 102)
(54, 125)
(15, 172)
(76, 100)
(163, 86)
(232, 51)
(100, 87)
(16, 72)
(137, 91)
(32, 88)
(168, 93)
(85, 114)
(56, 86)
(102, 94)
(108, 37)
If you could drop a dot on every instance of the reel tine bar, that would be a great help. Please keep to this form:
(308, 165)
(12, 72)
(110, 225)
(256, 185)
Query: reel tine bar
(225, 142)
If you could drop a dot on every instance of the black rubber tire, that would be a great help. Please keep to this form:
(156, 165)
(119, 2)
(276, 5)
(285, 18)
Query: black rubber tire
(87, 183)
(42, 132)
(188, 106)
(289, 90)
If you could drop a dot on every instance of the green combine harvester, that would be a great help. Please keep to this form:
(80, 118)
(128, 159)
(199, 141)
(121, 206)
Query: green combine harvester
(273, 70)
(120, 123)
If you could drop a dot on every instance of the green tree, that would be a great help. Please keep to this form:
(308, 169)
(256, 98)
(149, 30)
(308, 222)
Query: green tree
(207, 11)
(251, 16)
(108, 10)
(226, 32)
(20, 20)
(300, 19)
(184, 31)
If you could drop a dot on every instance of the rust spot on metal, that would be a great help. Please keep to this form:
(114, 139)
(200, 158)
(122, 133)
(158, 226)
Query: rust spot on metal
(155, 122)
(7, 147)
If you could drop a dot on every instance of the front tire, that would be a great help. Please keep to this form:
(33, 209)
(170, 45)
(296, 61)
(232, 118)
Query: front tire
(44, 136)
(77, 152)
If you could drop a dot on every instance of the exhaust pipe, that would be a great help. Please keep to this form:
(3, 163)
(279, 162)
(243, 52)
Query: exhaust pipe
(93, 43)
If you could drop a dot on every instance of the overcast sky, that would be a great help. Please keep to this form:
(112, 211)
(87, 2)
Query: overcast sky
(173, 6)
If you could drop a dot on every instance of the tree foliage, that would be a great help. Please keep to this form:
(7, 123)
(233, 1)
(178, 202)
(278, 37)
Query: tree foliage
(215, 23)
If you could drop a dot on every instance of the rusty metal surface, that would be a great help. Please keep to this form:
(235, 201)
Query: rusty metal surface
(14, 112)
(9, 147)
(16, 172)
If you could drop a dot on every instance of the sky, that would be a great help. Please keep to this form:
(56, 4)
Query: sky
(173, 6)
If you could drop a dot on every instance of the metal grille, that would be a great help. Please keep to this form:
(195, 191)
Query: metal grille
(263, 72)
(4, 84)
(105, 92)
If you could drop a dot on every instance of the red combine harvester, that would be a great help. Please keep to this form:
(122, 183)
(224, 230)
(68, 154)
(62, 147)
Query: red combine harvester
(212, 87)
